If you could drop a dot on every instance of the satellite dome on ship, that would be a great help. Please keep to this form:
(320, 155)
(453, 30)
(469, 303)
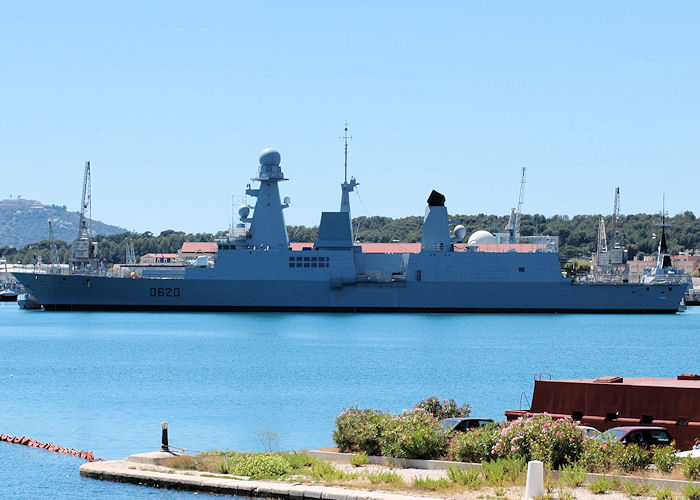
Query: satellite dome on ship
(481, 238)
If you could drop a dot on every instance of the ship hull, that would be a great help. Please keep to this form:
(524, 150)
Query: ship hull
(76, 293)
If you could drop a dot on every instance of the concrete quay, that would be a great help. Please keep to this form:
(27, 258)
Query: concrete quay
(145, 469)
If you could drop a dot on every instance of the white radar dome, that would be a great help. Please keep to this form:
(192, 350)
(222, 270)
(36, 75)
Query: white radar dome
(270, 157)
(481, 238)
(244, 211)
(460, 232)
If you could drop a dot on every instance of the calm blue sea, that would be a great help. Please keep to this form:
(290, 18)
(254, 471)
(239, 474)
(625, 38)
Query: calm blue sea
(105, 381)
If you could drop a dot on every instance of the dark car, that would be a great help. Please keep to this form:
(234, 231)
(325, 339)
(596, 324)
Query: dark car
(644, 436)
(462, 424)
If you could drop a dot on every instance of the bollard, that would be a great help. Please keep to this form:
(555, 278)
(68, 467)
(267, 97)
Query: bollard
(164, 441)
(535, 479)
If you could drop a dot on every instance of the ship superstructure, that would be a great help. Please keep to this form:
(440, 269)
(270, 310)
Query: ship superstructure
(257, 270)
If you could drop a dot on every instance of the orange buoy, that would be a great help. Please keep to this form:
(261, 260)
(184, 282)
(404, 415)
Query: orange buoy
(33, 443)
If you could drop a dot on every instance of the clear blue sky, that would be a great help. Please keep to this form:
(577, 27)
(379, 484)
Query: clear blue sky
(173, 101)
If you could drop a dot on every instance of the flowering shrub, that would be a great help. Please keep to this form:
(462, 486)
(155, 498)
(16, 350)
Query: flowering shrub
(555, 442)
(413, 434)
(359, 430)
(665, 458)
(443, 408)
(600, 456)
(632, 458)
(473, 446)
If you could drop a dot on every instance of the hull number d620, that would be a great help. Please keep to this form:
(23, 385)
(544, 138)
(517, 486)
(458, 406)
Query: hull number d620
(164, 292)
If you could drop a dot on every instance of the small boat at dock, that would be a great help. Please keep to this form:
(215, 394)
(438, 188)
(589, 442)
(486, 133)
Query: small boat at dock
(8, 295)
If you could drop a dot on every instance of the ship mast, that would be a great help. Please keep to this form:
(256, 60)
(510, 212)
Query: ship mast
(347, 187)
(663, 258)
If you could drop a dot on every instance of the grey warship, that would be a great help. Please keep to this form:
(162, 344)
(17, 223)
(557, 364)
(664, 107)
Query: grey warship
(257, 270)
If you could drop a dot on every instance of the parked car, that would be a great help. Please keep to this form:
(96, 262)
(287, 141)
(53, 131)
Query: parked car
(694, 452)
(643, 436)
(588, 431)
(462, 424)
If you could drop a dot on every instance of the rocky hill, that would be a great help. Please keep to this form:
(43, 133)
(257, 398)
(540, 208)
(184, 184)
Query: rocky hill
(26, 221)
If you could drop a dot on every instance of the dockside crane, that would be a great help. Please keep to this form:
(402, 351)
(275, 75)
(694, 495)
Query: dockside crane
(602, 237)
(513, 226)
(611, 263)
(83, 249)
(53, 250)
(617, 240)
(130, 253)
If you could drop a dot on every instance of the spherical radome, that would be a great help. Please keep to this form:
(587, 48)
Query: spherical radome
(481, 238)
(244, 211)
(270, 157)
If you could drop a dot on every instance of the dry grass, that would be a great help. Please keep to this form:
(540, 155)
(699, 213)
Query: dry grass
(180, 462)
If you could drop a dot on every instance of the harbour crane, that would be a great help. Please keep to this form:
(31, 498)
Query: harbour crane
(130, 253)
(611, 262)
(602, 238)
(83, 250)
(513, 226)
(617, 239)
(53, 249)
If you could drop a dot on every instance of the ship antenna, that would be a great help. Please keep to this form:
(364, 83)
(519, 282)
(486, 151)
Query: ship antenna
(346, 138)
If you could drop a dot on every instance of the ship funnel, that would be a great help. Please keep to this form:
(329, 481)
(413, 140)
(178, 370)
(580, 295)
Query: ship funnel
(436, 226)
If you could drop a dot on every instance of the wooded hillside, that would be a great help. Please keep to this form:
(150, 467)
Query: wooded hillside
(577, 235)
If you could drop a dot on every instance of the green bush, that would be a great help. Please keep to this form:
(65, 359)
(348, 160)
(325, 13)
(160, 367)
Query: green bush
(633, 458)
(600, 486)
(229, 462)
(572, 475)
(325, 471)
(359, 460)
(262, 466)
(504, 471)
(470, 478)
(664, 494)
(413, 434)
(384, 477)
(691, 468)
(637, 490)
(691, 491)
(598, 456)
(358, 430)
(427, 483)
(664, 458)
(475, 445)
(554, 442)
(443, 408)
(299, 460)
